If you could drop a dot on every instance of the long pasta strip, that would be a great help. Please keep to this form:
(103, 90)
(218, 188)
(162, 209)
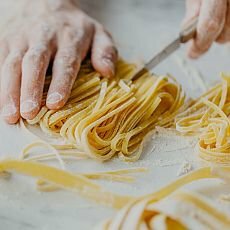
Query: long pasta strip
(142, 212)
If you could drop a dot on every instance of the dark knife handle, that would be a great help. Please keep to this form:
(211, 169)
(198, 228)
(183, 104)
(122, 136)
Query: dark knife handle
(189, 31)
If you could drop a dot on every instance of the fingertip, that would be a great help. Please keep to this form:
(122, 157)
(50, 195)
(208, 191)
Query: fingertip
(55, 106)
(55, 101)
(105, 66)
(29, 109)
(104, 60)
(192, 55)
(30, 115)
(10, 113)
(13, 119)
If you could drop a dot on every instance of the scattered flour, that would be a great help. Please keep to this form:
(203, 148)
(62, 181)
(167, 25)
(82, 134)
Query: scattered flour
(185, 167)
(165, 163)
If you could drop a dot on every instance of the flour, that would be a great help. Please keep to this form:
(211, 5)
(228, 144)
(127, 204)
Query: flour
(165, 163)
(28, 106)
(9, 110)
(54, 98)
(184, 168)
(197, 82)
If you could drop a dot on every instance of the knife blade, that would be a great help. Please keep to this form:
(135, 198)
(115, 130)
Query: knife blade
(169, 49)
(185, 35)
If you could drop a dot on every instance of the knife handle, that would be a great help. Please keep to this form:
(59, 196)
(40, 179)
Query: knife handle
(189, 31)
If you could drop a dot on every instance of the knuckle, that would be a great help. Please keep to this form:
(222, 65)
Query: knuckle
(67, 56)
(37, 53)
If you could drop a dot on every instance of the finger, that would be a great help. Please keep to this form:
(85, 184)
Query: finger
(11, 79)
(72, 49)
(10, 86)
(192, 11)
(34, 66)
(104, 53)
(210, 24)
(225, 34)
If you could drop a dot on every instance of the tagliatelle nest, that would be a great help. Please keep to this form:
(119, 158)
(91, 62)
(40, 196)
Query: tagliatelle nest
(208, 117)
(105, 117)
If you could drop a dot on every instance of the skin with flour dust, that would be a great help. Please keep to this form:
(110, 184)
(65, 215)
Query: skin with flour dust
(59, 32)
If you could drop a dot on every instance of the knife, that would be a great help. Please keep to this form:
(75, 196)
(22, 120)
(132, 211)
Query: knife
(185, 35)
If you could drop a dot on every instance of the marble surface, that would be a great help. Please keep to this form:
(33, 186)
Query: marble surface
(140, 29)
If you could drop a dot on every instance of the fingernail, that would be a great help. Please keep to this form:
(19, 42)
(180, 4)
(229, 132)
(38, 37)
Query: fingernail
(54, 98)
(8, 110)
(108, 62)
(28, 106)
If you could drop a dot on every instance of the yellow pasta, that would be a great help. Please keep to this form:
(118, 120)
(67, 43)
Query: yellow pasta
(137, 211)
(208, 117)
(82, 184)
(144, 214)
(104, 118)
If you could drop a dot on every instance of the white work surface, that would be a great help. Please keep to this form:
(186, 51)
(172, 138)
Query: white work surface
(140, 29)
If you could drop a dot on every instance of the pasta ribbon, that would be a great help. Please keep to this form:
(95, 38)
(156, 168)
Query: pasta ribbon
(82, 184)
(142, 213)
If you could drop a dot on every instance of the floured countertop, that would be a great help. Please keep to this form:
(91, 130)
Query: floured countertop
(140, 29)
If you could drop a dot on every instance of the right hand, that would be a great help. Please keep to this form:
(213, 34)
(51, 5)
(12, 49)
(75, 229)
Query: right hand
(213, 24)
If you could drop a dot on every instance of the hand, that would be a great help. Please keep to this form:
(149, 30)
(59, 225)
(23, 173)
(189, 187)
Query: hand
(61, 33)
(213, 24)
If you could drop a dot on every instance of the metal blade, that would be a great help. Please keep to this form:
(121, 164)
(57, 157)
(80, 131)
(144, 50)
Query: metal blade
(173, 46)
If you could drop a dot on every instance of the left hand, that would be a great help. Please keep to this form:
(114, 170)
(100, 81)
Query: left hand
(48, 32)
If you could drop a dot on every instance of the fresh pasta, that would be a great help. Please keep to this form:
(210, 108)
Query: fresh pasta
(144, 214)
(104, 118)
(136, 212)
(208, 117)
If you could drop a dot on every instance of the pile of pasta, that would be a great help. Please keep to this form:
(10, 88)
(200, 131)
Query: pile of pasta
(104, 118)
(112, 117)
(208, 117)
